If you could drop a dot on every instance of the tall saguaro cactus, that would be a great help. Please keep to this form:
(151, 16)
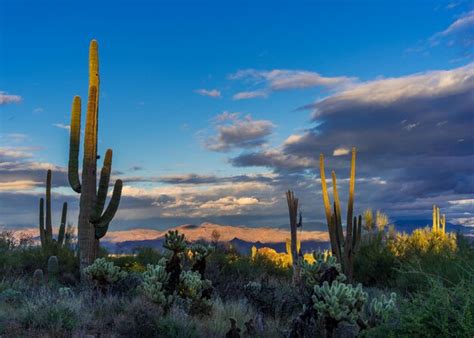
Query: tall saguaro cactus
(342, 248)
(46, 232)
(93, 220)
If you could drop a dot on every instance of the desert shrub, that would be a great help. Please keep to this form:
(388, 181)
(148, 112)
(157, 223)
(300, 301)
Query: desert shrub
(423, 241)
(374, 263)
(230, 272)
(11, 296)
(439, 311)
(55, 318)
(139, 318)
(145, 256)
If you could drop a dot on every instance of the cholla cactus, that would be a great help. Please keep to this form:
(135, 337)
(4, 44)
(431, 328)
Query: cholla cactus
(174, 241)
(380, 309)
(325, 267)
(154, 279)
(339, 302)
(177, 244)
(104, 273)
(191, 284)
(199, 253)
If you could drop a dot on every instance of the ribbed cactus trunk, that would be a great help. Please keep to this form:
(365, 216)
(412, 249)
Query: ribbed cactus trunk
(93, 222)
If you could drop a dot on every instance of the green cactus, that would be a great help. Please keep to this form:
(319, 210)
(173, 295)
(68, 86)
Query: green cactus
(46, 230)
(104, 273)
(191, 284)
(380, 309)
(53, 269)
(343, 247)
(325, 268)
(93, 220)
(154, 280)
(338, 302)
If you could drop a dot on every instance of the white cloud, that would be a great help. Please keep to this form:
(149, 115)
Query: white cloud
(62, 126)
(250, 95)
(468, 201)
(341, 151)
(38, 110)
(390, 90)
(211, 93)
(293, 139)
(464, 22)
(6, 98)
(283, 79)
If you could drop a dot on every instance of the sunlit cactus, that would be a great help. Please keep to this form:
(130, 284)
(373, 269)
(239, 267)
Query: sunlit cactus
(439, 223)
(343, 247)
(45, 222)
(93, 220)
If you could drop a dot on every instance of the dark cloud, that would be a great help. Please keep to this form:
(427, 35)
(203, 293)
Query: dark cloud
(414, 133)
(234, 132)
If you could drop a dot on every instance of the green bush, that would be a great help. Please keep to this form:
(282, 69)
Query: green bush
(374, 263)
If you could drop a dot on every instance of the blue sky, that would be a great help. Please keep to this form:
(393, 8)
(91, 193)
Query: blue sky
(169, 69)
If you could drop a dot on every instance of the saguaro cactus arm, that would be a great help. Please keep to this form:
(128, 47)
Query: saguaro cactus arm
(103, 187)
(49, 226)
(327, 206)
(103, 223)
(75, 137)
(62, 226)
(41, 222)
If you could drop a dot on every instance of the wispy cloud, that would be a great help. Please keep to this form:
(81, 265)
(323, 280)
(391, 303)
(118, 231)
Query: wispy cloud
(6, 98)
(208, 92)
(284, 79)
(62, 126)
(250, 95)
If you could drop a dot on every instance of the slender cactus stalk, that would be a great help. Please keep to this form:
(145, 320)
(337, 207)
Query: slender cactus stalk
(343, 248)
(93, 221)
(293, 213)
